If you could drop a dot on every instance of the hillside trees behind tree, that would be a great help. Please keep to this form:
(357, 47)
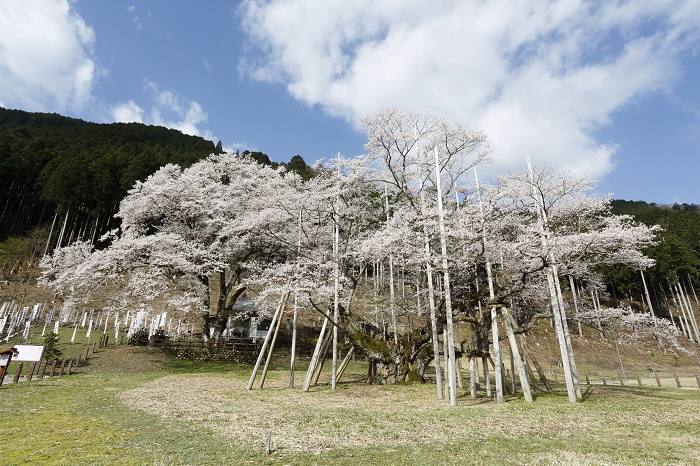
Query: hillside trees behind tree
(53, 166)
(50, 163)
(676, 253)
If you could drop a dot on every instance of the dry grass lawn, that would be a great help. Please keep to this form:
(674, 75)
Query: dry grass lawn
(365, 416)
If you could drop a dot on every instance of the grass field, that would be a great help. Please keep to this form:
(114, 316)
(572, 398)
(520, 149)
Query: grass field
(133, 405)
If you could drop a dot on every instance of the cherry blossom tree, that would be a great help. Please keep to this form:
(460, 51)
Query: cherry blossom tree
(633, 325)
(411, 153)
(391, 249)
(196, 227)
(562, 225)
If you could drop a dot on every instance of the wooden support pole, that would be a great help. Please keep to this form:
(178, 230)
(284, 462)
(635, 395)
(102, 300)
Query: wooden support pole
(658, 380)
(639, 380)
(686, 328)
(473, 375)
(504, 381)
(317, 354)
(336, 286)
(447, 295)
(53, 367)
(487, 376)
(42, 370)
(30, 374)
(63, 365)
(512, 372)
(531, 377)
(460, 381)
(18, 373)
(293, 353)
(446, 363)
(697, 379)
(346, 361)
(265, 343)
(515, 356)
(431, 303)
(574, 294)
(678, 380)
(496, 345)
(272, 346)
(646, 292)
(540, 372)
(324, 354)
(691, 313)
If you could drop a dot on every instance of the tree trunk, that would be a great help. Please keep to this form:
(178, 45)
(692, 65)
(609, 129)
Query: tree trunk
(405, 362)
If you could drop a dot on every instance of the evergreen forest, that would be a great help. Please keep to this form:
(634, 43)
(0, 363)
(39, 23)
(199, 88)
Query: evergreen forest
(69, 175)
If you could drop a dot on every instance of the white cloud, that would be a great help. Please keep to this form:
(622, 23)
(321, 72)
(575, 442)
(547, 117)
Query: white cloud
(46, 59)
(538, 76)
(168, 108)
(134, 17)
(240, 147)
(127, 112)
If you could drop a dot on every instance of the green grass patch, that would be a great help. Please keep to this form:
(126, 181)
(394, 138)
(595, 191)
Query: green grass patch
(140, 406)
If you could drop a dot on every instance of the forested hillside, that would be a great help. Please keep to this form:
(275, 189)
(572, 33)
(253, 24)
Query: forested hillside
(677, 253)
(56, 170)
(50, 163)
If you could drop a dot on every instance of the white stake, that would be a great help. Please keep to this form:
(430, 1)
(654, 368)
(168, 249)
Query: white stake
(495, 336)
(646, 292)
(448, 298)
(431, 302)
(552, 276)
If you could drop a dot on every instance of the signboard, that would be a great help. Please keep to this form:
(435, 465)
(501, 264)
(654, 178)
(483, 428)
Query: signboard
(28, 353)
(4, 359)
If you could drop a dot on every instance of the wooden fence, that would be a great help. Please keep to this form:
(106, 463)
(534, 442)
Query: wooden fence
(233, 350)
(39, 370)
(657, 380)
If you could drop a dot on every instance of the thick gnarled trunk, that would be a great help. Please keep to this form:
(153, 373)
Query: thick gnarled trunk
(221, 291)
(402, 362)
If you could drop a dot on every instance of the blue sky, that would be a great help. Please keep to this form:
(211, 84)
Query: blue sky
(606, 88)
